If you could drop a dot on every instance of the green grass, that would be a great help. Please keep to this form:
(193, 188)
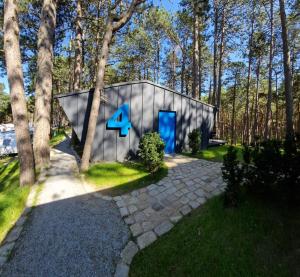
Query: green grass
(12, 196)
(256, 239)
(118, 178)
(58, 137)
(216, 153)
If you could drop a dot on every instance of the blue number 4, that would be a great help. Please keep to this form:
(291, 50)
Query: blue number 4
(123, 124)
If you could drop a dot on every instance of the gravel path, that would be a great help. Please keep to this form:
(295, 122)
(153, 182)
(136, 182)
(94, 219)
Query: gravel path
(70, 232)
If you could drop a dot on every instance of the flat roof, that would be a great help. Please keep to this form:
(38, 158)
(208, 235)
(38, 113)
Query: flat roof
(132, 83)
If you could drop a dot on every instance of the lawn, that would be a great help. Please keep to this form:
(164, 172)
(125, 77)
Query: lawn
(119, 178)
(216, 153)
(58, 137)
(12, 196)
(256, 239)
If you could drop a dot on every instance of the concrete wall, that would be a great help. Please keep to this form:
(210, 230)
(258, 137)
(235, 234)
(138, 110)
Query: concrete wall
(145, 100)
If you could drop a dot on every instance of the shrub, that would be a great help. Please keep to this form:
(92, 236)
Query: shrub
(270, 168)
(151, 151)
(194, 141)
(232, 175)
(247, 167)
(267, 159)
(290, 171)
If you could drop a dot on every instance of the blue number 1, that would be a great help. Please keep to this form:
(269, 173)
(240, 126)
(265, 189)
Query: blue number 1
(123, 124)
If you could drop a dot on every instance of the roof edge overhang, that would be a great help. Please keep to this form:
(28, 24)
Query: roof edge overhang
(132, 83)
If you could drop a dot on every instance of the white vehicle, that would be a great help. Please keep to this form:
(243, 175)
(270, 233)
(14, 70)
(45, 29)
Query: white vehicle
(8, 143)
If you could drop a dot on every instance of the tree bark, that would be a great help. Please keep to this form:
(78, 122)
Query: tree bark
(255, 112)
(78, 48)
(43, 88)
(247, 123)
(100, 3)
(183, 69)
(114, 23)
(200, 66)
(269, 100)
(289, 134)
(277, 107)
(195, 92)
(173, 70)
(233, 112)
(215, 64)
(219, 89)
(17, 94)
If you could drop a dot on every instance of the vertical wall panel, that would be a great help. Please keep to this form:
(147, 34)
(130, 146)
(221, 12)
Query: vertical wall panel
(205, 127)
(98, 146)
(84, 108)
(210, 118)
(158, 105)
(177, 109)
(185, 121)
(136, 116)
(70, 106)
(199, 115)
(123, 142)
(193, 112)
(148, 95)
(110, 136)
(168, 103)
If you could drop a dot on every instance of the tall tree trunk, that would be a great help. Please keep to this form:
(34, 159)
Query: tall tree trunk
(200, 65)
(277, 108)
(17, 94)
(215, 64)
(247, 123)
(195, 92)
(96, 97)
(210, 91)
(256, 108)
(78, 48)
(43, 88)
(70, 82)
(96, 64)
(112, 26)
(287, 74)
(233, 112)
(219, 89)
(269, 100)
(173, 66)
(183, 69)
(158, 61)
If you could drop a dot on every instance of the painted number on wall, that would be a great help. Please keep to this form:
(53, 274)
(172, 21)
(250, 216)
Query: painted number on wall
(119, 120)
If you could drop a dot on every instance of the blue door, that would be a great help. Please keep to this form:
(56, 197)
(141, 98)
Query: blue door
(167, 129)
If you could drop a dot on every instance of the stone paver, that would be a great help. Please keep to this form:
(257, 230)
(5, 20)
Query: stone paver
(146, 239)
(128, 252)
(152, 211)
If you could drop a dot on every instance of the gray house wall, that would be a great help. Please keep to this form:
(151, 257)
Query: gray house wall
(145, 100)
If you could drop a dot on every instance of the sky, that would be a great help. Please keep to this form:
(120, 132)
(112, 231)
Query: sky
(169, 5)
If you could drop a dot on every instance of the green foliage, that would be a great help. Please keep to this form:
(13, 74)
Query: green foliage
(232, 175)
(12, 196)
(58, 137)
(151, 151)
(194, 141)
(118, 178)
(5, 108)
(290, 170)
(272, 169)
(266, 158)
(216, 153)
